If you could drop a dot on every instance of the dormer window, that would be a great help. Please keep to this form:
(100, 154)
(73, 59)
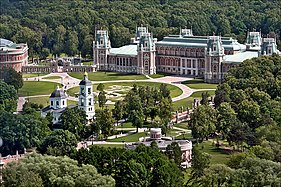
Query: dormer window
(214, 48)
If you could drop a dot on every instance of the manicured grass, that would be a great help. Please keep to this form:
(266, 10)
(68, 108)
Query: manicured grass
(158, 75)
(173, 132)
(218, 156)
(187, 102)
(40, 100)
(199, 84)
(37, 88)
(71, 102)
(52, 77)
(184, 136)
(107, 76)
(182, 125)
(130, 138)
(199, 94)
(29, 75)
(126, 124)
(175, 91)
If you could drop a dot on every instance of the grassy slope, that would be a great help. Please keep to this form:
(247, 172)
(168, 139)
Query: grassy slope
(218, 156)
(52, 77)
(40, 100)
(29, 75)
(31, 88)
(199, 84)
(130, 138)
(107, 76)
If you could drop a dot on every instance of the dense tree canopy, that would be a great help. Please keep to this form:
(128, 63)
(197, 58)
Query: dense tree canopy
(59, 143)
(142, 167)
(69, 26)
(21, 131)
(37, 170)
(8, 97)
(74, 120)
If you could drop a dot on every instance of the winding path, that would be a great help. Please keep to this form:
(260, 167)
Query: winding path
(70, 82)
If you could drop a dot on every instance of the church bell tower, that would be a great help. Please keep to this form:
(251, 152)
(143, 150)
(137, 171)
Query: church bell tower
(86, 97)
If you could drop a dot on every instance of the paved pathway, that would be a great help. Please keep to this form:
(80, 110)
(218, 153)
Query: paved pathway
(70, 82)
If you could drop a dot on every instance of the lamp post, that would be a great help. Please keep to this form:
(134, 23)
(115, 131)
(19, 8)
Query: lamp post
(1, 169)
(1, 163)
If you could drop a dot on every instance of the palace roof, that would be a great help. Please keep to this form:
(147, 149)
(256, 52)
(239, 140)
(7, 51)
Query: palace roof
(127, 50)
(240, 57)
(199, 42)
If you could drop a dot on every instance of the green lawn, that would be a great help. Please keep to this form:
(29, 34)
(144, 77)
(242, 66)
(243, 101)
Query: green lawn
(182, 125)
(187, 102)
(40, 100)
(199, 84)
(158, 75)
(107, 76)
(218, 156)
(172, 132)
(175, 91)
(126, 124)
(29, 75)
(31, 88)
(52, 77)
(184, 136)
(71, 102)
(199, 94)
(130, 138)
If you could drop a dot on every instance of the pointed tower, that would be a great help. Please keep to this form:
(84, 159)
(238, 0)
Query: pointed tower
(213, 60)
(269, 46)
(254, 41)
(146, 54)
(101, 47)
(86, 97)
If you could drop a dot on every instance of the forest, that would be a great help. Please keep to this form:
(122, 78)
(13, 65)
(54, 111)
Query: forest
(58, 26)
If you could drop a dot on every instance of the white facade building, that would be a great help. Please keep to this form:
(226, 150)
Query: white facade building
(86, 97)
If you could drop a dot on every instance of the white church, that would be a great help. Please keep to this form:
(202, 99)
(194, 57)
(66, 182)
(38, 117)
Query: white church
(58, 101)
